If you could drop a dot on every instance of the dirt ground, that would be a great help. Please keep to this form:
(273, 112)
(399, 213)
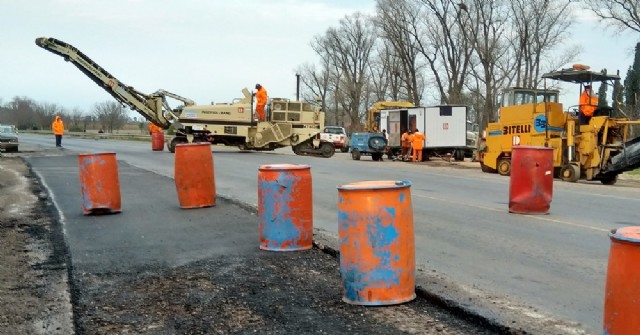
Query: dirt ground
(273, 293)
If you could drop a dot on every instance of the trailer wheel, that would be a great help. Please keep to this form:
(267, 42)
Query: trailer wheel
(504, 166)
(376, 156)
(458, 155)
(355, 154)
(570, 173)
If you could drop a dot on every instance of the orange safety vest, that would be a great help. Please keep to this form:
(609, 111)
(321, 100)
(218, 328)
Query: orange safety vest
(418, 139)
(405, 140)
(57, 126)
(261, 96)
(588, 104)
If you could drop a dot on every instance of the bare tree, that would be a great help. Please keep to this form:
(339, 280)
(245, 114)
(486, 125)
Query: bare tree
(623, 14)
(111, 115)
(76, 118)
(441, 40)
(484, 24)
(398, 21)
(539, 28)
(349, 49)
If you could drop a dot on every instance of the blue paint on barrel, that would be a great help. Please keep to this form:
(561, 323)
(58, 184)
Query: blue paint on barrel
(376, 235)
(276, 220)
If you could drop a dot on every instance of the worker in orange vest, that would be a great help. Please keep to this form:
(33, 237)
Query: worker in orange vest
(418, 143)
(261, 101)
(405, 141)
(588, 105)
(58, 130)
(154, 129)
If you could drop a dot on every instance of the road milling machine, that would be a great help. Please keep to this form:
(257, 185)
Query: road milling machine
(289, 123)
(600, 150)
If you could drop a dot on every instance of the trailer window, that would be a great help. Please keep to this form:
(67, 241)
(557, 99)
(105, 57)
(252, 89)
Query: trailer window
(446, 111)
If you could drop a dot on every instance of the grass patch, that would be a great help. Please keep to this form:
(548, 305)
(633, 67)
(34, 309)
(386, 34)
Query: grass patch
(635, 172)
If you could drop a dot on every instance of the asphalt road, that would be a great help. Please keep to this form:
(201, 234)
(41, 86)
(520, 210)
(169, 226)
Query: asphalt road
(527, 270)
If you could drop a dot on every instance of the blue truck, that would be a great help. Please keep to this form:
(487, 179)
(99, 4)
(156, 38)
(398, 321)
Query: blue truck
(368, 144)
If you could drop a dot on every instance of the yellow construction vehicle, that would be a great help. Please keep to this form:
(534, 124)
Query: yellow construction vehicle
(373, 121)
(599, 150)
(289, 123)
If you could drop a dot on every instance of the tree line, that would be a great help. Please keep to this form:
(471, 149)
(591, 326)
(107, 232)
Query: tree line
(451, 52)
(26, 113)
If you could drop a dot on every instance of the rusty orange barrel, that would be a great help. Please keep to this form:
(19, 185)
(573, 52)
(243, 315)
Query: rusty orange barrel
(157, 141)
(99, 183)
(194, 176)
(377, 248)
(622, 293)
(285, 207)
(531, 181)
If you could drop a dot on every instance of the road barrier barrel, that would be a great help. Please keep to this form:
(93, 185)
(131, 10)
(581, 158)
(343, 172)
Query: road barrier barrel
(377, 247)
(99, 183)
(622, 296)
(194, 175)
(531, 181)
(157, 141)
(285, 207)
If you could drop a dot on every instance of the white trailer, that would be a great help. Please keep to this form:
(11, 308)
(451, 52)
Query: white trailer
(445, 127)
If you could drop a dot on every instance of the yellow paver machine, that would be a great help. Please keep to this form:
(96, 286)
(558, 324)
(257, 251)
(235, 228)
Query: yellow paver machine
(599, 150)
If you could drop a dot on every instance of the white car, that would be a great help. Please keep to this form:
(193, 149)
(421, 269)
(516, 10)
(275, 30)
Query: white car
(337, 136)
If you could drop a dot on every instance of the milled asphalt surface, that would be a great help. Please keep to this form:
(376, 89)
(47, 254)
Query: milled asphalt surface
(152, 237)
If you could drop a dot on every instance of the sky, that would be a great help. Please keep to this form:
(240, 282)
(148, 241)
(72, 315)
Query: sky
(205, 50)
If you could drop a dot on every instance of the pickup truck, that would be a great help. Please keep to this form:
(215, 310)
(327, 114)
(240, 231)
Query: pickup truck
(337, 136)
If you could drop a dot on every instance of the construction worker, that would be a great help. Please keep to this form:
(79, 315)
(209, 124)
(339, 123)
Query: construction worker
(153, 128)
(58, 130)
(418, 143)
(588, 105)
(405, 142)
(261, 101)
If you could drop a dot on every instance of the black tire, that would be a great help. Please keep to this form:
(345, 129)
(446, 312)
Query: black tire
(176, 140)
(376, 156)
(327, 149)
(344, 148)
(570, 173)
(355, 154)
(458, 155)
(377, 143)
(504, 166)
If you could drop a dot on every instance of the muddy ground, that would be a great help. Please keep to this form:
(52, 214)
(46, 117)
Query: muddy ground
(270, 293)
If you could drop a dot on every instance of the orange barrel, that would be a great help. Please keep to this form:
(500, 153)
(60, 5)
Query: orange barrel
(377, 248)
(531, 181)
(99, 183)
(285, 207)
(157, 141)
(622, 296)
(194, 177)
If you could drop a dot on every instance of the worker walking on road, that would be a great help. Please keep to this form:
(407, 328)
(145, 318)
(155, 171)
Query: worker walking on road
(418, 143)
(261, 101)
(588, 105)
(58, 130)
